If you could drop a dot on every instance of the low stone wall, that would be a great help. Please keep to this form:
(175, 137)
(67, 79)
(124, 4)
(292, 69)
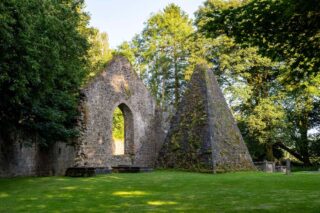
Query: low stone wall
(266, 166)
(24, 157)
(270, 167)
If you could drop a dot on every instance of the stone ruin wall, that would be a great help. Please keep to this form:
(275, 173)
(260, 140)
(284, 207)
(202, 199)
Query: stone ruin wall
(203, 134)
(117, 86)
(22, 156)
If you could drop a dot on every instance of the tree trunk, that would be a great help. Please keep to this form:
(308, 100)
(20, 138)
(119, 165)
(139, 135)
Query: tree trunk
(303, 143)
(176, 83)
(291, 151)
(163, 92)
(269, 149)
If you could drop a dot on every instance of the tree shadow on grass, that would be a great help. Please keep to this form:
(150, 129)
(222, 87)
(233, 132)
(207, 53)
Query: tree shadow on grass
(162, 192)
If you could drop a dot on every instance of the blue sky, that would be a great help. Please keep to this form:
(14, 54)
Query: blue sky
(122, 19)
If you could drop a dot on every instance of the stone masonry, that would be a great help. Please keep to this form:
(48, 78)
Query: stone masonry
(22, 156)
(117, 86)
(203, 135)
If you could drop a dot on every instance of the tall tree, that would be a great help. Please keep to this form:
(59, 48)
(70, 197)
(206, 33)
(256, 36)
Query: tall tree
(280, 30)
(164, 53)
(99, 53)
(43, 62)
(303, 111)
(250, 84)
(286, 30)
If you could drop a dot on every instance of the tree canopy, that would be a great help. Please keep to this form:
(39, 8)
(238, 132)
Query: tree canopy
(43, 62)
(287, 30)
(264, 53)
(275, 94)
(162, 52)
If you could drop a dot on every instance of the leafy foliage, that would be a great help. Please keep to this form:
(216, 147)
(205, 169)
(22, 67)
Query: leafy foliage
(162, 53)
(43, 50)
(118, 124)
(253, 60)
(99, 53)
(249, 82)
(270, 109)
(285, 30)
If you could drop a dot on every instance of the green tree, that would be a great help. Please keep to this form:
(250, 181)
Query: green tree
(267, 123)
(250, 84)
(118, 124)
(163, 53)
(303, 111)
(133, 52)
(99, 53)
(280, 30)
(43, 62)
(285, 30)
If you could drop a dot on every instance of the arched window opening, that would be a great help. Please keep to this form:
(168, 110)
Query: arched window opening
(123, 131)
(118, 131)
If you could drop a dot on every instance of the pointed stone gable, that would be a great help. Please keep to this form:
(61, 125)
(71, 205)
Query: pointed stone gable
(203, 135)
(117, 86)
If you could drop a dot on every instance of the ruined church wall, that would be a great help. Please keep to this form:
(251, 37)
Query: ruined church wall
(22, 156)
(117, 84)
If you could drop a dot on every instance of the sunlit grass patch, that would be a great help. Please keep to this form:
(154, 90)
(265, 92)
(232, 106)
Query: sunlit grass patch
(129, 193)
(161, 203)
(164, 191)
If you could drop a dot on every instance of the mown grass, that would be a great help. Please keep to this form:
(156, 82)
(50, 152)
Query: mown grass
(164, 191)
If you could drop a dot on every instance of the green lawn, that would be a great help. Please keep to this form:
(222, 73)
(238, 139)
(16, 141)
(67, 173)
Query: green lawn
(164, 191)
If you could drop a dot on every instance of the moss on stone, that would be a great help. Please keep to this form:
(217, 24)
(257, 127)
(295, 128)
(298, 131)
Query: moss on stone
(204, 128)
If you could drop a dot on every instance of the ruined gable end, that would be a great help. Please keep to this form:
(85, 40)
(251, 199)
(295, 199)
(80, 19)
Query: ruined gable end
(117, 86)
